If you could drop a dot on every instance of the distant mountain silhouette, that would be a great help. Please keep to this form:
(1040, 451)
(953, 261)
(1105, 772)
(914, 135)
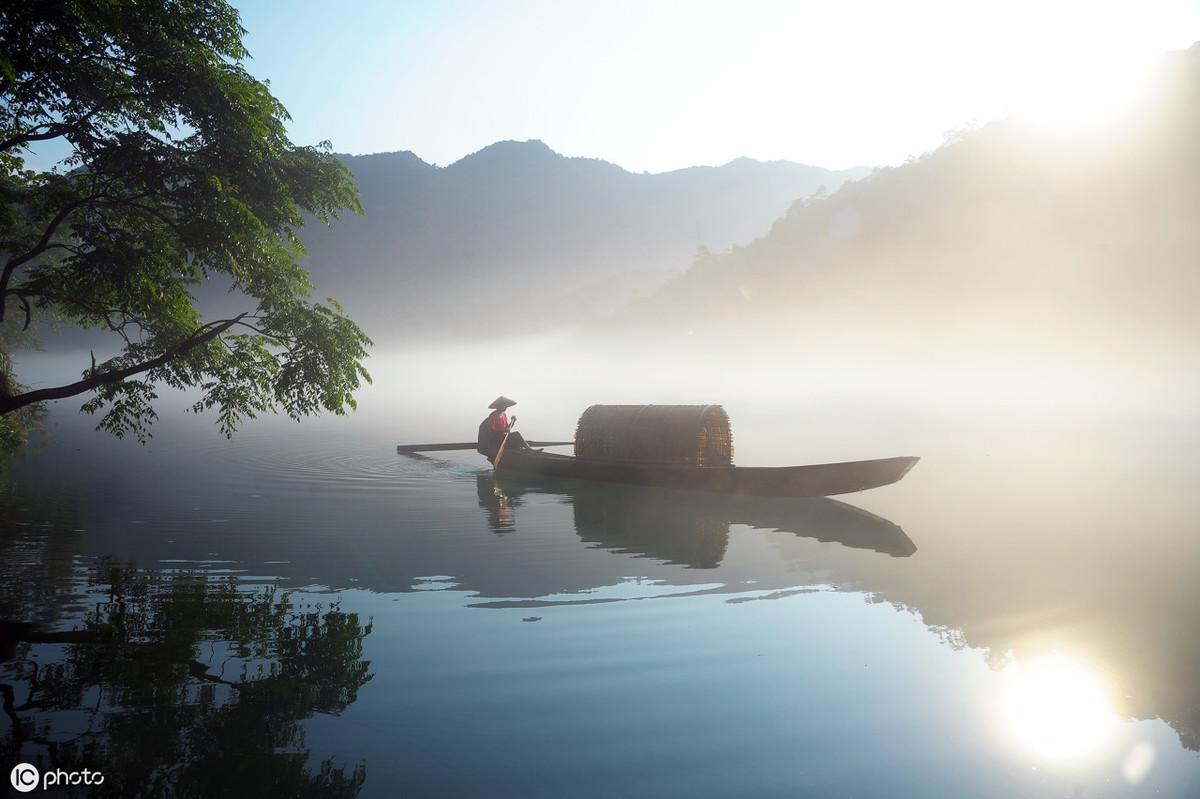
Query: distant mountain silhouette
(1008, 234)
(517, 236)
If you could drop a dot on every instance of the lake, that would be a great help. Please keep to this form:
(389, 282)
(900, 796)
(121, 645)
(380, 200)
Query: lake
(301, 611)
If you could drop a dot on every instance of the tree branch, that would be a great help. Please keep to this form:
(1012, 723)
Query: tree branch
(51, 132)
(42, 245)
(28, 311)
(202, 336)
(73, 122)
(275, 337)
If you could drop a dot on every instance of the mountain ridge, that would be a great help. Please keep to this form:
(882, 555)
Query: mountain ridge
(538, 145)
(434, 237)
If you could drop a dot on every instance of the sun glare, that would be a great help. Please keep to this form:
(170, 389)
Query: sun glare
(1057, 707)
(1086, 64)
(1086, 89)
(1091, 95)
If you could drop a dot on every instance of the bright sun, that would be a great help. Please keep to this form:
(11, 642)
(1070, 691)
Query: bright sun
(1057, 707)
(1087, 62)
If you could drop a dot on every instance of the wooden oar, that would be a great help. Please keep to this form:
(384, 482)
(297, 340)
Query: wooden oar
(405, 448)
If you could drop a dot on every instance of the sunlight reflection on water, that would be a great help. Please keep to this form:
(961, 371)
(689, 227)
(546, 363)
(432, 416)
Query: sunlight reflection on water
(1057, 706)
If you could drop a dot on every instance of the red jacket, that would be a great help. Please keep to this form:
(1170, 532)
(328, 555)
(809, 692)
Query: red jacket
(491, 433)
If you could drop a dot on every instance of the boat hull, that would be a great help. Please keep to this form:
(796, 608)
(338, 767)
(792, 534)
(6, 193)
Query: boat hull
(818, 480)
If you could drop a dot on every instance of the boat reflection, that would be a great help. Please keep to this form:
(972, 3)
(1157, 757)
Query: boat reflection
(687, 528)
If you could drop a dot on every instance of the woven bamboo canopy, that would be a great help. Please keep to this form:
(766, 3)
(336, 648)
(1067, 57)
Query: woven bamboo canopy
(680, 435)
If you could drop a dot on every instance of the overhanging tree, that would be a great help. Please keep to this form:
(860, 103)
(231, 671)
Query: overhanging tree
(179, 172)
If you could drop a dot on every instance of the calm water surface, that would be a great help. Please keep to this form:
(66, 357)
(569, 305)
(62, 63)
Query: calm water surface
(302, 612)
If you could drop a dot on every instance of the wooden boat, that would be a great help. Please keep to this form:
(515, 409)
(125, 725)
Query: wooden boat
(687, 447)
(818, 480)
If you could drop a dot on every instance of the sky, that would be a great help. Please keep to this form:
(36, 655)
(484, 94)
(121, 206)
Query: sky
(654, 86)
(658, 85)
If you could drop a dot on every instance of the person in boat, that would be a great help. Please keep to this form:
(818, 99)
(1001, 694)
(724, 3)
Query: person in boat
(493, 429)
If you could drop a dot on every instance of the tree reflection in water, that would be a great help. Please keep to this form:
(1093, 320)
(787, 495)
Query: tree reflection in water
(180, 683)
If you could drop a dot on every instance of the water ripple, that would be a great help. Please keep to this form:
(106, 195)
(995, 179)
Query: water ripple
(333, 464)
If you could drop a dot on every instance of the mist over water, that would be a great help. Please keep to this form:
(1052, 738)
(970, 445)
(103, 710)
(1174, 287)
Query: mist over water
(1047, 534)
